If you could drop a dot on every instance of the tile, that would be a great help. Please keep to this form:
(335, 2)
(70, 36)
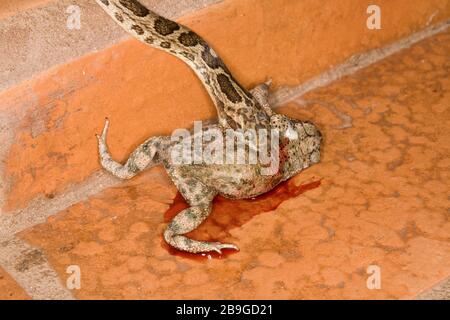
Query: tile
(9, 289)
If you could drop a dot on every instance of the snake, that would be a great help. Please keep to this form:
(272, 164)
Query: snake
(237, 108)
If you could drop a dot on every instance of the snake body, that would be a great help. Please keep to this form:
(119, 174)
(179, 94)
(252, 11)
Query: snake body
(237, 108)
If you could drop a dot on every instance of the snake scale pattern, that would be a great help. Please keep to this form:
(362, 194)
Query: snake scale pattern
(236, 106)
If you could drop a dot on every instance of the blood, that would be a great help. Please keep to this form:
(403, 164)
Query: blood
(228, 214)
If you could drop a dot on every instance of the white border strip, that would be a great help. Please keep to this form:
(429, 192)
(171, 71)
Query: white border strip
(29, 267)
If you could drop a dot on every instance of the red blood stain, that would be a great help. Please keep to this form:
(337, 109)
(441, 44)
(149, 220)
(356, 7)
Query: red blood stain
(228, 214)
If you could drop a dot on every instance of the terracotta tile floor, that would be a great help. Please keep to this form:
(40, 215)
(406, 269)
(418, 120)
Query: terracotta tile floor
(383, 200)
(9, 289)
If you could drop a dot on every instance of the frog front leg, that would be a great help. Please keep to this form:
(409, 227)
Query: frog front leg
(147, 155)
(200, 199)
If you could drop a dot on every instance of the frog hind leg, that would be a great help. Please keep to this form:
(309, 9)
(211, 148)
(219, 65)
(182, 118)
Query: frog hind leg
(199, 197)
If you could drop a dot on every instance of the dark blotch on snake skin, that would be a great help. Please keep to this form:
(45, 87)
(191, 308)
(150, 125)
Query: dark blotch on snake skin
(105, 2)
(165, 27)
(149, 40)
(189, 39)
(135, 7)
(212, 61)
(227, 87)
(119, 17)
(137, 29)
(248, 102)
(188, 55)
(165, 45)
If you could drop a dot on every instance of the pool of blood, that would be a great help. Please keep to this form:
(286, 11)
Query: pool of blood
(228, 214)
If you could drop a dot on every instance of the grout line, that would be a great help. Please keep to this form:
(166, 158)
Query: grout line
(440, 291)
(29, 267)
(353, 64)
(41, 208)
